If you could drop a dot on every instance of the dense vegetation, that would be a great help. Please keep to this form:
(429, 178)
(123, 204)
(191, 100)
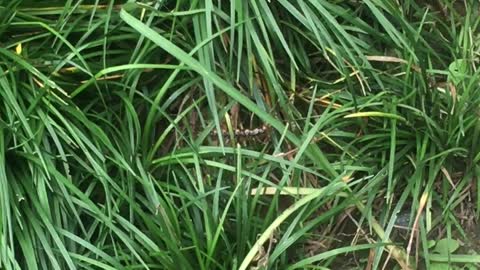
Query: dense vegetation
(261, 134)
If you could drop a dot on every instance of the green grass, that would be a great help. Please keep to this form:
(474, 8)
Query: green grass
(118, 146)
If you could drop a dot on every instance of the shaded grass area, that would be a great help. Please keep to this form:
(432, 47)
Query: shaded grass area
(239, 134)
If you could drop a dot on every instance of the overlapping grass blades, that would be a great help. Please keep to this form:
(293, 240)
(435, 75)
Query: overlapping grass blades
(108, 158)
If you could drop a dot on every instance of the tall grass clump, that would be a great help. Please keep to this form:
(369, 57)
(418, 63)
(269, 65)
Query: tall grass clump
(287, 134)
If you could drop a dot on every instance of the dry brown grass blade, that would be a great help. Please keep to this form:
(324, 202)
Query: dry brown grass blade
(423, 202)
(390, 59)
